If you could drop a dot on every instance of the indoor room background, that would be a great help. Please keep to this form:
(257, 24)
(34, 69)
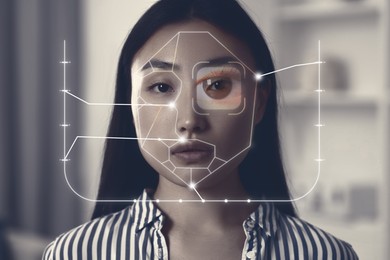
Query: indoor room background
(350, 198)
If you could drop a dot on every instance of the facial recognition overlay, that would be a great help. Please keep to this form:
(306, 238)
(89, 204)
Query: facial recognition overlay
(194, 113)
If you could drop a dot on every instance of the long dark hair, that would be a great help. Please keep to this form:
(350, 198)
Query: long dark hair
(125, 173)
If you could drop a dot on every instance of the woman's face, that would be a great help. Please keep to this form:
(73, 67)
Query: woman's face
(195, 102)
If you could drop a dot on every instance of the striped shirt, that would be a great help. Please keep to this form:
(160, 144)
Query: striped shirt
(136, 233)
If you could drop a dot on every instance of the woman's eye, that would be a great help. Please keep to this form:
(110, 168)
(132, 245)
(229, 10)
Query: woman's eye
(161, 88)
(217, 89)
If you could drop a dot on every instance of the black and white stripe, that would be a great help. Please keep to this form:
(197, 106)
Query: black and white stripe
(135, 233)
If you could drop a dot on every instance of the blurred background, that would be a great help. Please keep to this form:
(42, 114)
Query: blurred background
(350, 200)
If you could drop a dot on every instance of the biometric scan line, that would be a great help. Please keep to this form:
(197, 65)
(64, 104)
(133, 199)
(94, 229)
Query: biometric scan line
(167, 91)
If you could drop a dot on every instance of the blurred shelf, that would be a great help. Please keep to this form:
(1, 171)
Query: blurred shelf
(327, 10)
(329, 100)
(345, 22)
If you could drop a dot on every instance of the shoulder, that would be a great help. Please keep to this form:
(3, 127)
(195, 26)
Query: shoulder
(86, 238)
(301, 238)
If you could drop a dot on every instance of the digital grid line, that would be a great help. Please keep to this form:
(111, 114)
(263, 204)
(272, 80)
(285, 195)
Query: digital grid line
(66, 153)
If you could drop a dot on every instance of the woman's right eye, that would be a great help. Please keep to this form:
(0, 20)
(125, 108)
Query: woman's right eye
(161, 88)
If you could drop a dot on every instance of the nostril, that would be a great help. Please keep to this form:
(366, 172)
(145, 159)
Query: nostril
(190, 128)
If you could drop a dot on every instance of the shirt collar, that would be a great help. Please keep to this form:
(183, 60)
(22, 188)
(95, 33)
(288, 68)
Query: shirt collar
(265, 217)
(146, 212)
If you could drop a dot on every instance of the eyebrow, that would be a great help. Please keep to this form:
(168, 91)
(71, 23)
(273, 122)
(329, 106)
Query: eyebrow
(160, 64)
(221, 61)
(215, 62)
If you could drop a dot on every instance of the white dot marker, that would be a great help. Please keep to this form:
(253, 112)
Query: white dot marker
(180, 200)
(248, 200)
(134, 200)
(172, 105)
(157, 200)
(203, 201)
(182, 139)
(226, 201)
(192, 185)
(258, 76)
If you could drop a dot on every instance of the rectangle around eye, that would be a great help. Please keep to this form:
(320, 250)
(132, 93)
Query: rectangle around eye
(219, 87)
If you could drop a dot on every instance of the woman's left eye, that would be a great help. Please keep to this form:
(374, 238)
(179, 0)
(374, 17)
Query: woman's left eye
(217, 89)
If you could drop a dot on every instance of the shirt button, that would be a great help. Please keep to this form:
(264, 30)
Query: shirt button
(251, 223)
(251, 254)
(160, 253)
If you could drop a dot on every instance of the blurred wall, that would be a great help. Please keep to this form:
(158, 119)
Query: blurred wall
(34, 197)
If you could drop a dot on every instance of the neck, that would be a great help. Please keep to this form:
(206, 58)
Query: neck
(214, 214)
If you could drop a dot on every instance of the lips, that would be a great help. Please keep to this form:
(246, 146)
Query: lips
(192, 152)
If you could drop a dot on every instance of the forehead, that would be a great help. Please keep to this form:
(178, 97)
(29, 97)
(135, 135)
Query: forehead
(188, 43)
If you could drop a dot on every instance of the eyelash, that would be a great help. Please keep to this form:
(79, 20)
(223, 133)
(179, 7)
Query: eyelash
(220, 74)
(223, 73)
(152, 88)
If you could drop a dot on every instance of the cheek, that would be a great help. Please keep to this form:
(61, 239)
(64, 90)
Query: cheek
(152, 131)
(154, 122)
(232, 134)
(149, 121)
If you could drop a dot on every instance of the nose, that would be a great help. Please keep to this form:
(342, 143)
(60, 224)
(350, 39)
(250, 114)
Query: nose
(189, 121)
